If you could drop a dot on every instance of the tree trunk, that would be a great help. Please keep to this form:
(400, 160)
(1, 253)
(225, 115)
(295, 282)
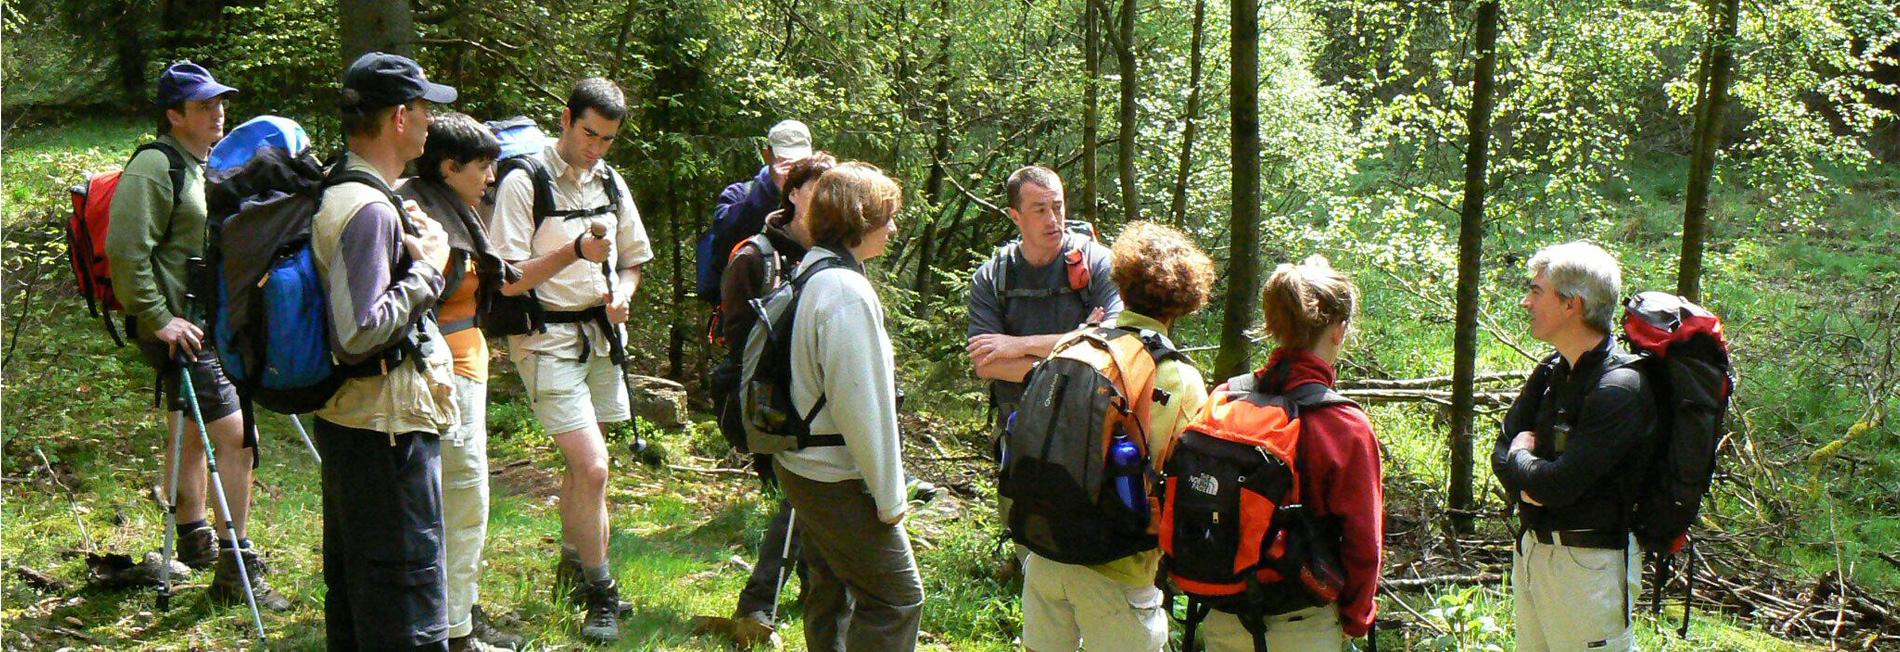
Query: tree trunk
(1470, 258)
(1091, 113)
(1177, 209)
(1125, 64)
(1718, 64)
(129, 41)
(375, 26)
(1243, 262)
(190, 23)
(676, 332)
(939, 148)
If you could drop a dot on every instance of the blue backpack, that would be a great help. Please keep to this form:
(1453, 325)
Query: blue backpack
(715, 246)
(239, 146)
(270, 321)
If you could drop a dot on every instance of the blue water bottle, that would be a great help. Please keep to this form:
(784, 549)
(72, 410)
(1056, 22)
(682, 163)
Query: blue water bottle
(1125, 458)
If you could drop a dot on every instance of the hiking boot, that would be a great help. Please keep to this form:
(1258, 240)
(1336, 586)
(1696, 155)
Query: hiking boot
(226, 588)
(921, 491)
(567, 576)
(568, 580)
(489, 632)
(602, 622)
(197, 548)
(471, 644)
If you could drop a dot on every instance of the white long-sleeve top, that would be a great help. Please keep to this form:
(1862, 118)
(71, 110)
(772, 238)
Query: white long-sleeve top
(841, 350)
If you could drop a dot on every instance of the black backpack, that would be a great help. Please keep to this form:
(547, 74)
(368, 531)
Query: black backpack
(1684, 358)
(501, 315)
(723, 382)
(1076, 465)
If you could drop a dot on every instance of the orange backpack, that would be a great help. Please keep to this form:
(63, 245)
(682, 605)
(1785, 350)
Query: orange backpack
(1234, 535)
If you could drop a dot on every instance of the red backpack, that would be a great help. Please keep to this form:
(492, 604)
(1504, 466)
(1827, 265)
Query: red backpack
(1234, 535)
(86, 235)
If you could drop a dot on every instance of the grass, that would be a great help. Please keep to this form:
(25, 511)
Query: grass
(86, 404)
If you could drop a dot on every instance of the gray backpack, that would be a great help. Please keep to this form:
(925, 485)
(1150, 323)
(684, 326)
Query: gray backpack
(772, 423)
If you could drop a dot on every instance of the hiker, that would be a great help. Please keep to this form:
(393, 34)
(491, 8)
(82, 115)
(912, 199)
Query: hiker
(155, 230)
(1162, 277)
(1031, 292)
(863, 591)
(455, 170)
(787, 233)
(742, 207)
(1572, 457)
(380, 260)
(585, 283)
(1309, 308)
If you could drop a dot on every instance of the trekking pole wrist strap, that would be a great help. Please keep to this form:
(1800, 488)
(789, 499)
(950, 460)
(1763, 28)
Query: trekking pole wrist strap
(577, 247)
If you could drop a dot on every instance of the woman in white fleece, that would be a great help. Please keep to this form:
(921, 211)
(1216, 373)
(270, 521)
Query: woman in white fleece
(850, 499)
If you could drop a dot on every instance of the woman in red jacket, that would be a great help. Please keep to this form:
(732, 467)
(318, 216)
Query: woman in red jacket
(1309, 309)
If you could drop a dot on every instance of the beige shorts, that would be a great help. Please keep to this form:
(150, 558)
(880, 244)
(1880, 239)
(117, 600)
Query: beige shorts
(568, 394)
(1066, 606)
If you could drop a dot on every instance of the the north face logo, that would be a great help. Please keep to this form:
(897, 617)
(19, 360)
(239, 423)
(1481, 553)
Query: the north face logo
(1204, 483)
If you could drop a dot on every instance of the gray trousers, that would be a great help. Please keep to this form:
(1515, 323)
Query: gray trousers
(863, 593)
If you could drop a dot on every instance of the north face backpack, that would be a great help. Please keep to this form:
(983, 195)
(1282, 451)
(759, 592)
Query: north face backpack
(1076, 464)
(499, 314)
(772, 423)
(723, 381)
(1074, 259)
(1235, 536)
(269, 320)
(86, 233)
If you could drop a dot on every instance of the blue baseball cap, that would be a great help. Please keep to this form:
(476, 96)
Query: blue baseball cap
(185, 81)
(378, 79)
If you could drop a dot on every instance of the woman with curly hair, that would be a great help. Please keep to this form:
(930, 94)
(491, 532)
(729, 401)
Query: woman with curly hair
(1163, 277)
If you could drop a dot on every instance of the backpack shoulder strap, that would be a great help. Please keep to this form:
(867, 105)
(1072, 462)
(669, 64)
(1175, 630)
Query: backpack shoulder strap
(539, 180)
(1318, 395)
(1001, 283)
(174, 166)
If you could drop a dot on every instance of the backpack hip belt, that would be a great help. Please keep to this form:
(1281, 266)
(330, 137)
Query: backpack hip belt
(617, 350)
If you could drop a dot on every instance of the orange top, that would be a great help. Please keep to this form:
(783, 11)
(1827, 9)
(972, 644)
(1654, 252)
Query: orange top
(468, 346)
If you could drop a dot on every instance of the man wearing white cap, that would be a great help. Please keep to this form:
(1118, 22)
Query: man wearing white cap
(742, 206)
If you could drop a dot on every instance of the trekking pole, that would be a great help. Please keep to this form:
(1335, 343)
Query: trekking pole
(171, 515)
(306, 438)
(1688, 590)
(217, 485)
(784, 554)
(599, 230)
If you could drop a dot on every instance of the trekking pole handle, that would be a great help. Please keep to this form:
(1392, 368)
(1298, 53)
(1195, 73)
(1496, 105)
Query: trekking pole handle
(599, 231)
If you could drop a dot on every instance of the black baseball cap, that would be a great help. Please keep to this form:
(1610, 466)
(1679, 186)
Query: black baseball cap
(185, 81)
(379, 79)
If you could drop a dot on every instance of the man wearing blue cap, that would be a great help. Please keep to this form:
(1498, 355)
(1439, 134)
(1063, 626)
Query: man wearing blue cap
(158, 224)
(380, 260)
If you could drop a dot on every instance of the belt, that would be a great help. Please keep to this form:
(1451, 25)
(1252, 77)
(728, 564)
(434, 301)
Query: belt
(457, 326)
(1598, 539)
(597, 314)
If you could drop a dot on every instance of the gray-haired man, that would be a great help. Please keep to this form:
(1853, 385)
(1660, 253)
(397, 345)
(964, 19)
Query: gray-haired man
(1572, 453)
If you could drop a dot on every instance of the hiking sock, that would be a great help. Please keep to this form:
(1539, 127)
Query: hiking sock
(244, 543)
(188, 528)
(597, 574)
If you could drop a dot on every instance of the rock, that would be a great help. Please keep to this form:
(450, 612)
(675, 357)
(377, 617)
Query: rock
(114, 571)
(658, 400)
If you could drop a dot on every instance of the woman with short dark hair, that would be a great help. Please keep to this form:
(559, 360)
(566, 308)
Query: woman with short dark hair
(455, 170)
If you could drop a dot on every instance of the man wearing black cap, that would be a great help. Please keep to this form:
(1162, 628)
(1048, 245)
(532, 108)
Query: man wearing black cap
(158, 223)
(380, 261)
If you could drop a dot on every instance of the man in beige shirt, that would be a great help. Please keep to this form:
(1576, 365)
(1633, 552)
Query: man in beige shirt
(585, 283)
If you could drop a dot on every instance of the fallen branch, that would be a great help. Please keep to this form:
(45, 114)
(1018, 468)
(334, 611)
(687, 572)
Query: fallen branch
(1441, 397)
(1439, 581)
(712, 471)
(1428, 382)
